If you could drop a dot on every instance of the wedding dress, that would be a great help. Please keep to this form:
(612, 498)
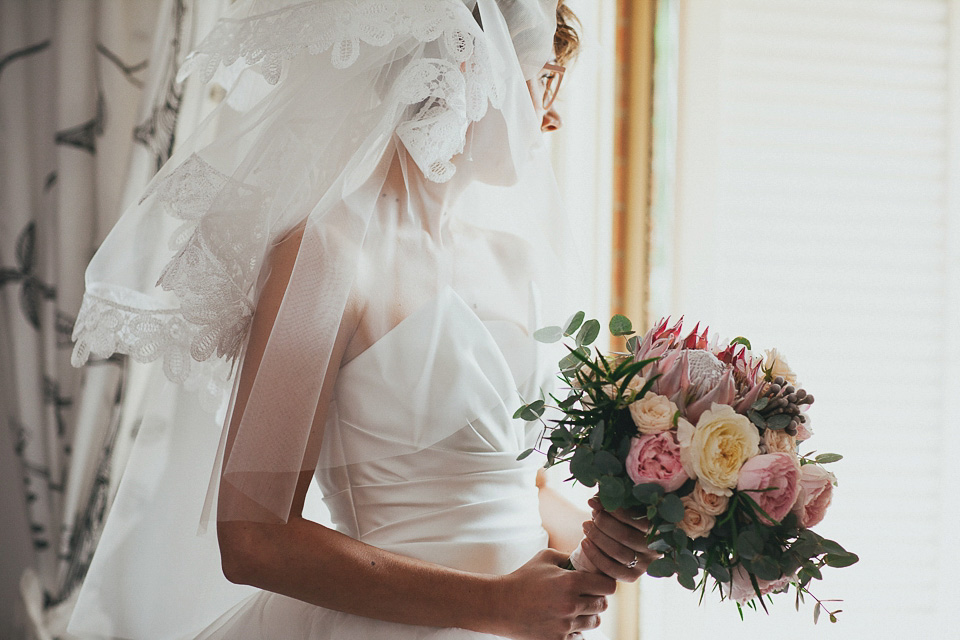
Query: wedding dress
(464, 501)
(335, 108)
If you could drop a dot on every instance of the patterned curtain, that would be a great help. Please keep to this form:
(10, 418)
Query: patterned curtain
(89, 109)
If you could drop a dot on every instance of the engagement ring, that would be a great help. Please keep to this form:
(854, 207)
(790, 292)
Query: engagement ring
(633, 563)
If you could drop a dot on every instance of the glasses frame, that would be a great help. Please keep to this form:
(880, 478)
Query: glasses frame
(552, 86)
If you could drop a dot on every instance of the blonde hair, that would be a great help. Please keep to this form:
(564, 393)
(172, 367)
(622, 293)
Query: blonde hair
(566, 41)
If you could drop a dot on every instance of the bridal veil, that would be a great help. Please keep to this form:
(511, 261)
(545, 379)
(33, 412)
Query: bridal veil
(326, 101)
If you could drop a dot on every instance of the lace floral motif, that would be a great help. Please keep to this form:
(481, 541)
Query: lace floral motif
(218, 254)
(269, 39)
(454, 90)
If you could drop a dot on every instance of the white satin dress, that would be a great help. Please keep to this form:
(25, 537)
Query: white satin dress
(449, 491)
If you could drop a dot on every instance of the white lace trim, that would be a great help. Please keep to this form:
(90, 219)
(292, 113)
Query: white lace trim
(461, 84)
(215, 311)
(270, 39)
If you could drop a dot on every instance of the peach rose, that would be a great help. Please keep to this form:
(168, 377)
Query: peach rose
(778, 441)
(741, 589)
(775, 365)
(653, 413)
(772, 480)
(695, 523)
(655, 458)
(709, 503)
(717, 447)
(816, 492)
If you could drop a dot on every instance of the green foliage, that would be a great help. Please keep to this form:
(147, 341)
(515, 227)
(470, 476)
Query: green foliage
(827, 458)
(548, 334)
(589, 332)
(593, 436)
(620, 325)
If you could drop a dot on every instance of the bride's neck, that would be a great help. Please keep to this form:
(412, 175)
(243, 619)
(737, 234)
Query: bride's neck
(422, 202)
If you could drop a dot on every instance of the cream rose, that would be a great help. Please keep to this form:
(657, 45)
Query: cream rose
(653, 413)
(776, 365)
(709, 503)
(717, 447)
(695, 523)
(778, 441)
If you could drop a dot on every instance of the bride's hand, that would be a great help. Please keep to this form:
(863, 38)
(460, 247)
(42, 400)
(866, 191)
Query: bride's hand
(616, 542)
(543, 601)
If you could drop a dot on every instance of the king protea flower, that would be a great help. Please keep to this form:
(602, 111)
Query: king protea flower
(693, 375)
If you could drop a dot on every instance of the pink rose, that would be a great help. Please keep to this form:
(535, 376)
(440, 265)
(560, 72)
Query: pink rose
(777, 475)
(816, 492)
(656, 458)
(741, 589)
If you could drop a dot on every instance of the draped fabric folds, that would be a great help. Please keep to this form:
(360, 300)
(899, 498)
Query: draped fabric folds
(90, 108)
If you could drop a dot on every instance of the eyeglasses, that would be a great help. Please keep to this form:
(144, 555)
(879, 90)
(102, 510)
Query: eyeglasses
(551, 75)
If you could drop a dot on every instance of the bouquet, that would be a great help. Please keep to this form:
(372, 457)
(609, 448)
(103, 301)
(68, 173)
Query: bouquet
(702, 439)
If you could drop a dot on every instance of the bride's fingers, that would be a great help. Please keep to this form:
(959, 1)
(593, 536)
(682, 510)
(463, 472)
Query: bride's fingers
(592, 605)
(612, 548)
(583, 623)
(623, 533)
(613, 568)
(632, 518)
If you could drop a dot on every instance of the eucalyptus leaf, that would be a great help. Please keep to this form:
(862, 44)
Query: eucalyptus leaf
(573, 323)
(532, 411)
(760, 404)
(660, 545)
(827, 458)
(525, 454)
(671, 509)
(607, 464)
(662, 567)
(596, 436)
(756, 419)
(779, 422)
(680, 540)
(548, 334)
(687, 581)
(620, 325)
(749, 544)
(588, 333)
(633, 343)
(838, 561)
(648, 493)
(719, 572)
(581, 466)
(816, 613)
(765, 568)
(688, 564)
(611, 492)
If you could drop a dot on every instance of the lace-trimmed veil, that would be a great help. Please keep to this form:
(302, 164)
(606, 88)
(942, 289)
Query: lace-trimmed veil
(324, 96)
(325, 101)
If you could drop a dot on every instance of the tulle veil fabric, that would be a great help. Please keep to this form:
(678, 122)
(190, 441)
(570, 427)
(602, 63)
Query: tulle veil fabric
(331, 107)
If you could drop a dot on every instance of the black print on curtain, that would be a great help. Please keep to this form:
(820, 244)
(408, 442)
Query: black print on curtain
(44, 395)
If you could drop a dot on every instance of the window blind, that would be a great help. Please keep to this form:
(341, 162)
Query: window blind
(816, 212)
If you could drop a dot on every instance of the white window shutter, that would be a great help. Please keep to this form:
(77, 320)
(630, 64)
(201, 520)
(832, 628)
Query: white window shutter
(818, 211)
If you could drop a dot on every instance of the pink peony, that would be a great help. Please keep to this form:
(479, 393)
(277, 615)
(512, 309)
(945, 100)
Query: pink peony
(779, 474)
(656, 458)
(816, 492)
(741, 589)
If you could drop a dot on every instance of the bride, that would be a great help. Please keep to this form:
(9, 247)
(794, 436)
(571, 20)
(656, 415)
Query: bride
(363, 239)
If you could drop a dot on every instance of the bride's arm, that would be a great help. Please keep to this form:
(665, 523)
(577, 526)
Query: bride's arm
(312, 563)
(562, 520)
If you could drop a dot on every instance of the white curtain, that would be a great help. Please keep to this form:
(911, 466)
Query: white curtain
(89, 109)
(817, 210)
